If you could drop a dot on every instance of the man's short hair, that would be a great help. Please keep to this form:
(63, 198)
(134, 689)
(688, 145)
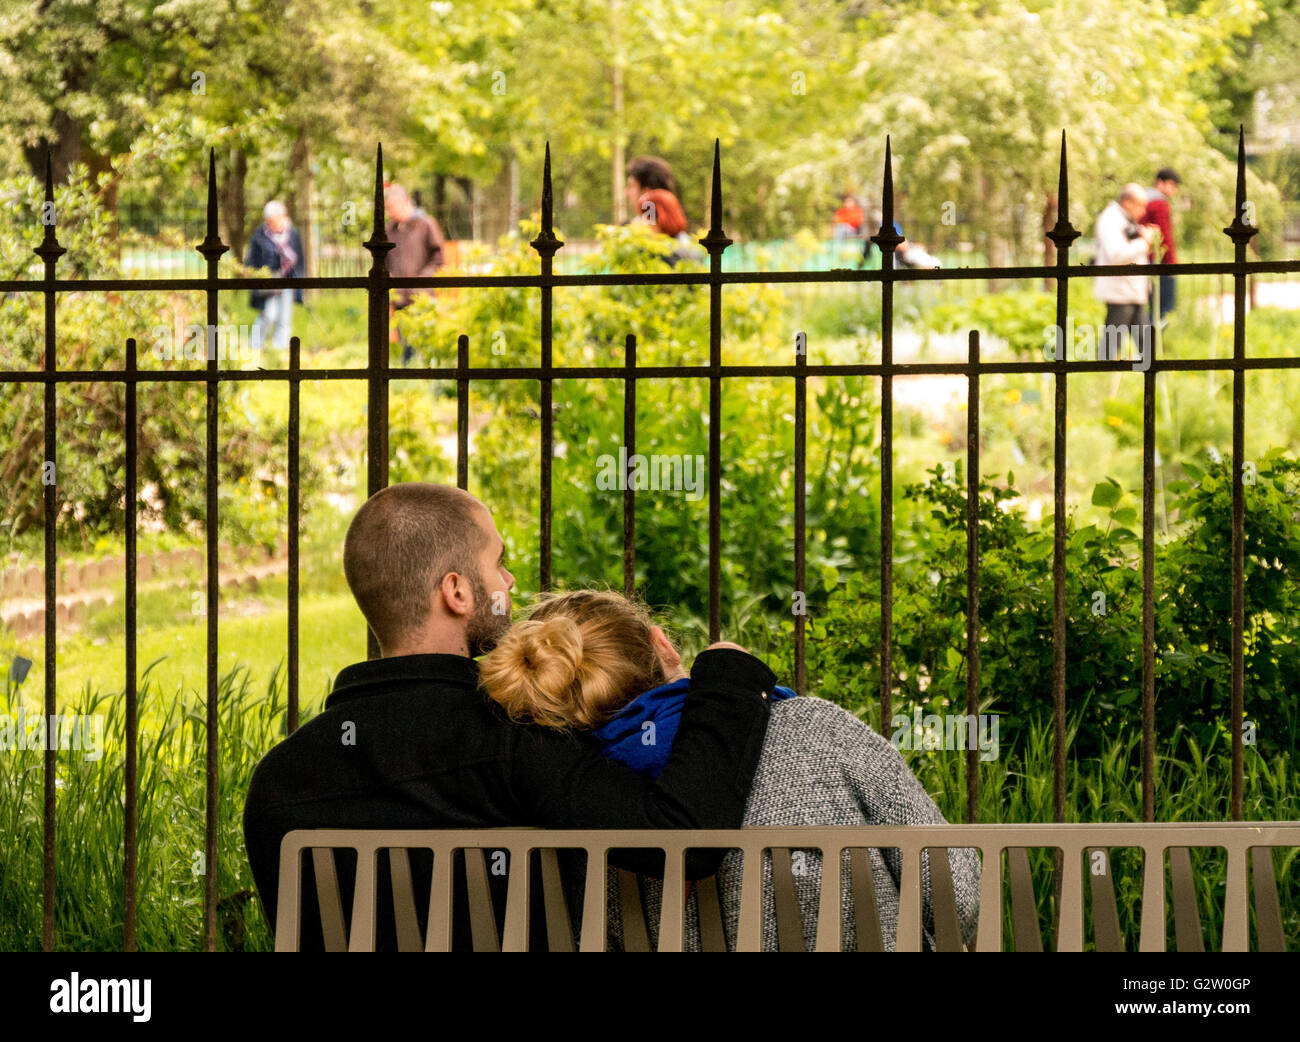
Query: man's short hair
(1133, 190)
(397, 193)
(402, 542)
(274, 208)
(1167, 174)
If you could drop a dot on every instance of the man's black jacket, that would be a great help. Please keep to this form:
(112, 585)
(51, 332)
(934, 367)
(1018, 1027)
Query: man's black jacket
(411, 742)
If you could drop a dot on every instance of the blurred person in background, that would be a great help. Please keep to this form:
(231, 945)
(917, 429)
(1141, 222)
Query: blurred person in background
(275, 246)
(418, 251)
(1158, 215)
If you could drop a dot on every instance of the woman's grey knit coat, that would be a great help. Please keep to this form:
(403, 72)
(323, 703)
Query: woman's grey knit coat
(821, 765)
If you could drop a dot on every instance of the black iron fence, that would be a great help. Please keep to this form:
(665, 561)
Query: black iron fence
(378, 284)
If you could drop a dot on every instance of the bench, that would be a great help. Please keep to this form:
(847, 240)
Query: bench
(1081, 849)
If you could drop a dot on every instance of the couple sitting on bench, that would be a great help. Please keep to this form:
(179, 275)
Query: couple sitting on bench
(581, 716)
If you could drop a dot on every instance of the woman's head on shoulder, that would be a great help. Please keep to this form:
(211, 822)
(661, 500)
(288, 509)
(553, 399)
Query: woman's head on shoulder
(578, 659)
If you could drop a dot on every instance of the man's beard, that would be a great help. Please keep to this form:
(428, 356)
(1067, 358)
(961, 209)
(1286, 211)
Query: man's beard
(485, 627)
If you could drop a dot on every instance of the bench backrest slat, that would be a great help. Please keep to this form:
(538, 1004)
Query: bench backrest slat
(1078, 848)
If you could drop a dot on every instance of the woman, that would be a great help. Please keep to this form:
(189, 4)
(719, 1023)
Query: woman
(652, 194)
(594, 661)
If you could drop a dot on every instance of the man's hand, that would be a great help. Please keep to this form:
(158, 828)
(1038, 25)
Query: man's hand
(726, 644)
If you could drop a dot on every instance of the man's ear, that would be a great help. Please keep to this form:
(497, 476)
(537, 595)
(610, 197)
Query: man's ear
(668, 656)
(455, 595)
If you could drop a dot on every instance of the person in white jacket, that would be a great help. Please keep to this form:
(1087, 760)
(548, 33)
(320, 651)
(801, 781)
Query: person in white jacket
(1122, 240)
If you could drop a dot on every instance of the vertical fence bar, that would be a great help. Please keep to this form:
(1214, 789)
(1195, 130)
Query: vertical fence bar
(130, 782)
(1240, 231)
(50, 251)
(715, 242)
(887, 239)
(972, 571)
(212, 248)
(629, 447)
(800, 512)
(462, 412)
(295, 511)
(546, 244)
(377, 303)
(1062, 235)
(1148, 588)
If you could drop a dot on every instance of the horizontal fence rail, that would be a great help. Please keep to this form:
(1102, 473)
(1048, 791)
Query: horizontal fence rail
(378, 373)
(1248, 848)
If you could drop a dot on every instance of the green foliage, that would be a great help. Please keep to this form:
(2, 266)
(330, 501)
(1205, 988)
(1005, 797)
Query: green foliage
(1017, 317)
(1103, 604)
(1020, 318)
(672, 327)
(92, 329)
(1016, 787)
(171, 823)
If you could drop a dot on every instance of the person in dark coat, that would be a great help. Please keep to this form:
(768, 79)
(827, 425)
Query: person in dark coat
(275, 246)
(418, 251)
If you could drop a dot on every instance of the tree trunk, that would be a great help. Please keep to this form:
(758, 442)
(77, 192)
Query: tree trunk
(471, 201)
(994, 228)
(300, 210)
(618, 153)
(64, 143)
(512, 211)
(1049, 247)
(234, 212)
(102, 163)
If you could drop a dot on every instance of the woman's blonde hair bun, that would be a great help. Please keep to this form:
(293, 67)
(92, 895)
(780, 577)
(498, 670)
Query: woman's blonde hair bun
(577, 660)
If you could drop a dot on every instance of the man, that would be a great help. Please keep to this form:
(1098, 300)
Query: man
(418, 250)
(408, 740)
(1158, 215)
(1121, 240)
(275, 245)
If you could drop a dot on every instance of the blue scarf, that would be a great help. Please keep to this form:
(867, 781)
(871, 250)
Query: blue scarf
(641, 735)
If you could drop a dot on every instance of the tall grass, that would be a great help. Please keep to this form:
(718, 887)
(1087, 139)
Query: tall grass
(1193, 785)
(90, 828)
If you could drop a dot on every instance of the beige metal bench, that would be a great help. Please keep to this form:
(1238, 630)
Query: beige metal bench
(1083, 848)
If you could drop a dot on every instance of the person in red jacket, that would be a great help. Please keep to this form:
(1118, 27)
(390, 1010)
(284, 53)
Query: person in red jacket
(848, 218)
(652, 195)
(1158, 215)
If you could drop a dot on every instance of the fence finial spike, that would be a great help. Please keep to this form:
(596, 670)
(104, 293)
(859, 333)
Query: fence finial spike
(212, 193)
(887, 190)
(548, 199)
(377, 218)
(1063, 232)
(716, 240)
(1063, 185)
(887, 238)
(1241, 229)
(378, 243)
(212, 247)
(49, 250)
(1241, 166)
(715, 200)
(547, 243)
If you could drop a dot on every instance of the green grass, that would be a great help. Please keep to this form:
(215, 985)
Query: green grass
(89, 837)
(331, 634)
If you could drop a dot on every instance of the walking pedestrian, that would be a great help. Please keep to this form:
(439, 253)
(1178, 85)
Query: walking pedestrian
(1121, 239)
(418, 251)
(275, 245)
(1159, 216)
